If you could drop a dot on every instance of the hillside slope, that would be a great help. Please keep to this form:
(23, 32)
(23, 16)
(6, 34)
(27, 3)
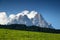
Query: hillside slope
(8, 34)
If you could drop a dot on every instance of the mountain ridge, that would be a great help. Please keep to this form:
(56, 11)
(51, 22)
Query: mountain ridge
(27, 18)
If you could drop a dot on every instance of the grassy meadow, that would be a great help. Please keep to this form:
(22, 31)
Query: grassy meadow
(8, 34)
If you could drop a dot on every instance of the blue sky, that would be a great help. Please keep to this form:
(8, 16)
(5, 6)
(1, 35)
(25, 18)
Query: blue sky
(50, 9)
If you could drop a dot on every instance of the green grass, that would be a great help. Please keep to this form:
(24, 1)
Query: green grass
(7, 34)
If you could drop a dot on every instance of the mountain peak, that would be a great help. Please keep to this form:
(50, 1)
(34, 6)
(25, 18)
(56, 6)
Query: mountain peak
(24, 17)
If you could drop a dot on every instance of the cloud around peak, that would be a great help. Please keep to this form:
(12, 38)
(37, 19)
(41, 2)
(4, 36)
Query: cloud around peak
(4, 19)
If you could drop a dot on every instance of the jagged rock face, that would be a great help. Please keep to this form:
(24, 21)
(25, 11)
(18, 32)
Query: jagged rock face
(24, 20)
(38, 20)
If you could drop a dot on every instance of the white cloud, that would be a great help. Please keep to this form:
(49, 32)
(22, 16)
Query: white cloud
(25, 12)
(12, 17)
(3, 18)
(31, 14)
